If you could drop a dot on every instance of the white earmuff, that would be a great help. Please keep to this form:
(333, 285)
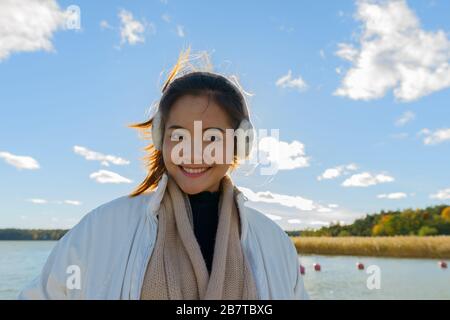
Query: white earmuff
(247, 127)
(157, 131)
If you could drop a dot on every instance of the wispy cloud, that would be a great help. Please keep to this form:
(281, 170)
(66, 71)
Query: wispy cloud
(288, 81)
(27, 26)
(401, 135)
(435, 137)
(38, 201)
(366, 179)
(180, 31)
(347, 52)
(72, 202)
(97, 156)
(322, 54)
(333, 173)
(406, 117)
(394, 53)
(105, 25)
(392, 196)
(20, 162)
(167, 18)
(285, 200)
(441, 194)
(45, 201)
(105, 176)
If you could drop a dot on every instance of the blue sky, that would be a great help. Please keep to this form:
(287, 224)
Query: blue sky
(359, 91)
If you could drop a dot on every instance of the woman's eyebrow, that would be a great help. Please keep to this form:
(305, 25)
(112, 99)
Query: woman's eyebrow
(175, 127)
(204, 129)
(220, 129)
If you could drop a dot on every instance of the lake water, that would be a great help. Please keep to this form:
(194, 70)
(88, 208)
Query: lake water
(339, 278)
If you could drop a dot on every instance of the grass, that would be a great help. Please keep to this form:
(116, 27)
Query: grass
(436, 247)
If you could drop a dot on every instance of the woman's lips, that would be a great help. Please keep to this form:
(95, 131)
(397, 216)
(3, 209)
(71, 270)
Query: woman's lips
(194, 172)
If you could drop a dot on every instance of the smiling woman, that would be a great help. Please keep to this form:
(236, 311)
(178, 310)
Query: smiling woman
(185, 232)
(213, 101)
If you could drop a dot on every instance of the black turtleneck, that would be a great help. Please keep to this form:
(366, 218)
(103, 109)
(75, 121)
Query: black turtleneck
(205, 214)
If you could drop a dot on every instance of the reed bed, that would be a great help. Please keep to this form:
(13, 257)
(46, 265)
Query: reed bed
(436, 247)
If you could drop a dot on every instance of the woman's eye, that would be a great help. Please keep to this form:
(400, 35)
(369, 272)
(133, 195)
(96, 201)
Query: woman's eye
(176, 137)
(213, 138)
(212, 135)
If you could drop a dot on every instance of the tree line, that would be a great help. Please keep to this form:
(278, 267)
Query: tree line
(430, 221)
(31, 234)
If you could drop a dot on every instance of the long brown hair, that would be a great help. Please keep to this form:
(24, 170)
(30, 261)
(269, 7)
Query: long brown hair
(185, 79)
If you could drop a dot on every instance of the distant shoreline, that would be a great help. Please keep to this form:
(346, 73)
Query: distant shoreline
(13, 234)
(432, 247)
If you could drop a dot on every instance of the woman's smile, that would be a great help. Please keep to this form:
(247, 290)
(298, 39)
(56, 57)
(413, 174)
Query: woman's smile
(194, 172)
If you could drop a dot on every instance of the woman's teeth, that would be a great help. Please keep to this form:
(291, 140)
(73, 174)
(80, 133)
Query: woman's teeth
(196, 170)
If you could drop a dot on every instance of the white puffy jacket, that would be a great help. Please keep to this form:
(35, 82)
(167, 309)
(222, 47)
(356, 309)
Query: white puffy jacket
(108, 250)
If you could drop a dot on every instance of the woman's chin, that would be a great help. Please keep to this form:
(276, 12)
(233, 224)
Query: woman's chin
(192, 188)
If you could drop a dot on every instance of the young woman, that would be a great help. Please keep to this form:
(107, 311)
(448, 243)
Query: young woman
(185, 232)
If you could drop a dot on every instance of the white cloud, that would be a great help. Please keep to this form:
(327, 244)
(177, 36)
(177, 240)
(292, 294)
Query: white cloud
(44, 201)
(287, 81)
(131, 30)
(282, 155)
(180, 31)
(332, 173)
(285, 200)
(105, 176)
(347, 52)
(394, 53)
(436, 137)
(441, 194)
(72, 202)
(366, 179)
(20, 162)
(322, 54)
(27, 26)
(166, 18)
(401, 135)
(392, 196)
(97, 156)
(406, 117)
(273, 217)
(105, 25)
(319, 223)
(296, 212)
(324, 209)
(38, 201)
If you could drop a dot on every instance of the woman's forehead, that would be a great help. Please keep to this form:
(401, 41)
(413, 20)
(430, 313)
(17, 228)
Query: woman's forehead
(189, 108)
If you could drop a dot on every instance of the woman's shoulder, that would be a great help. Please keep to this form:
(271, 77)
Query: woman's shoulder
(123, 207)
(265, 227)
(115, 216)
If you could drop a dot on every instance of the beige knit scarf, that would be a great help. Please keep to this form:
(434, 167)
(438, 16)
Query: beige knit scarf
(177, 269)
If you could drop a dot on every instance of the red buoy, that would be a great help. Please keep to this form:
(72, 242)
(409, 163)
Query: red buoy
(360, 265)
(317, 267)
(302, 270)
(443, 264)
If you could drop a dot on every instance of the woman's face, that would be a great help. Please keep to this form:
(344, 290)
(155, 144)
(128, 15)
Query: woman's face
(194, 177)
